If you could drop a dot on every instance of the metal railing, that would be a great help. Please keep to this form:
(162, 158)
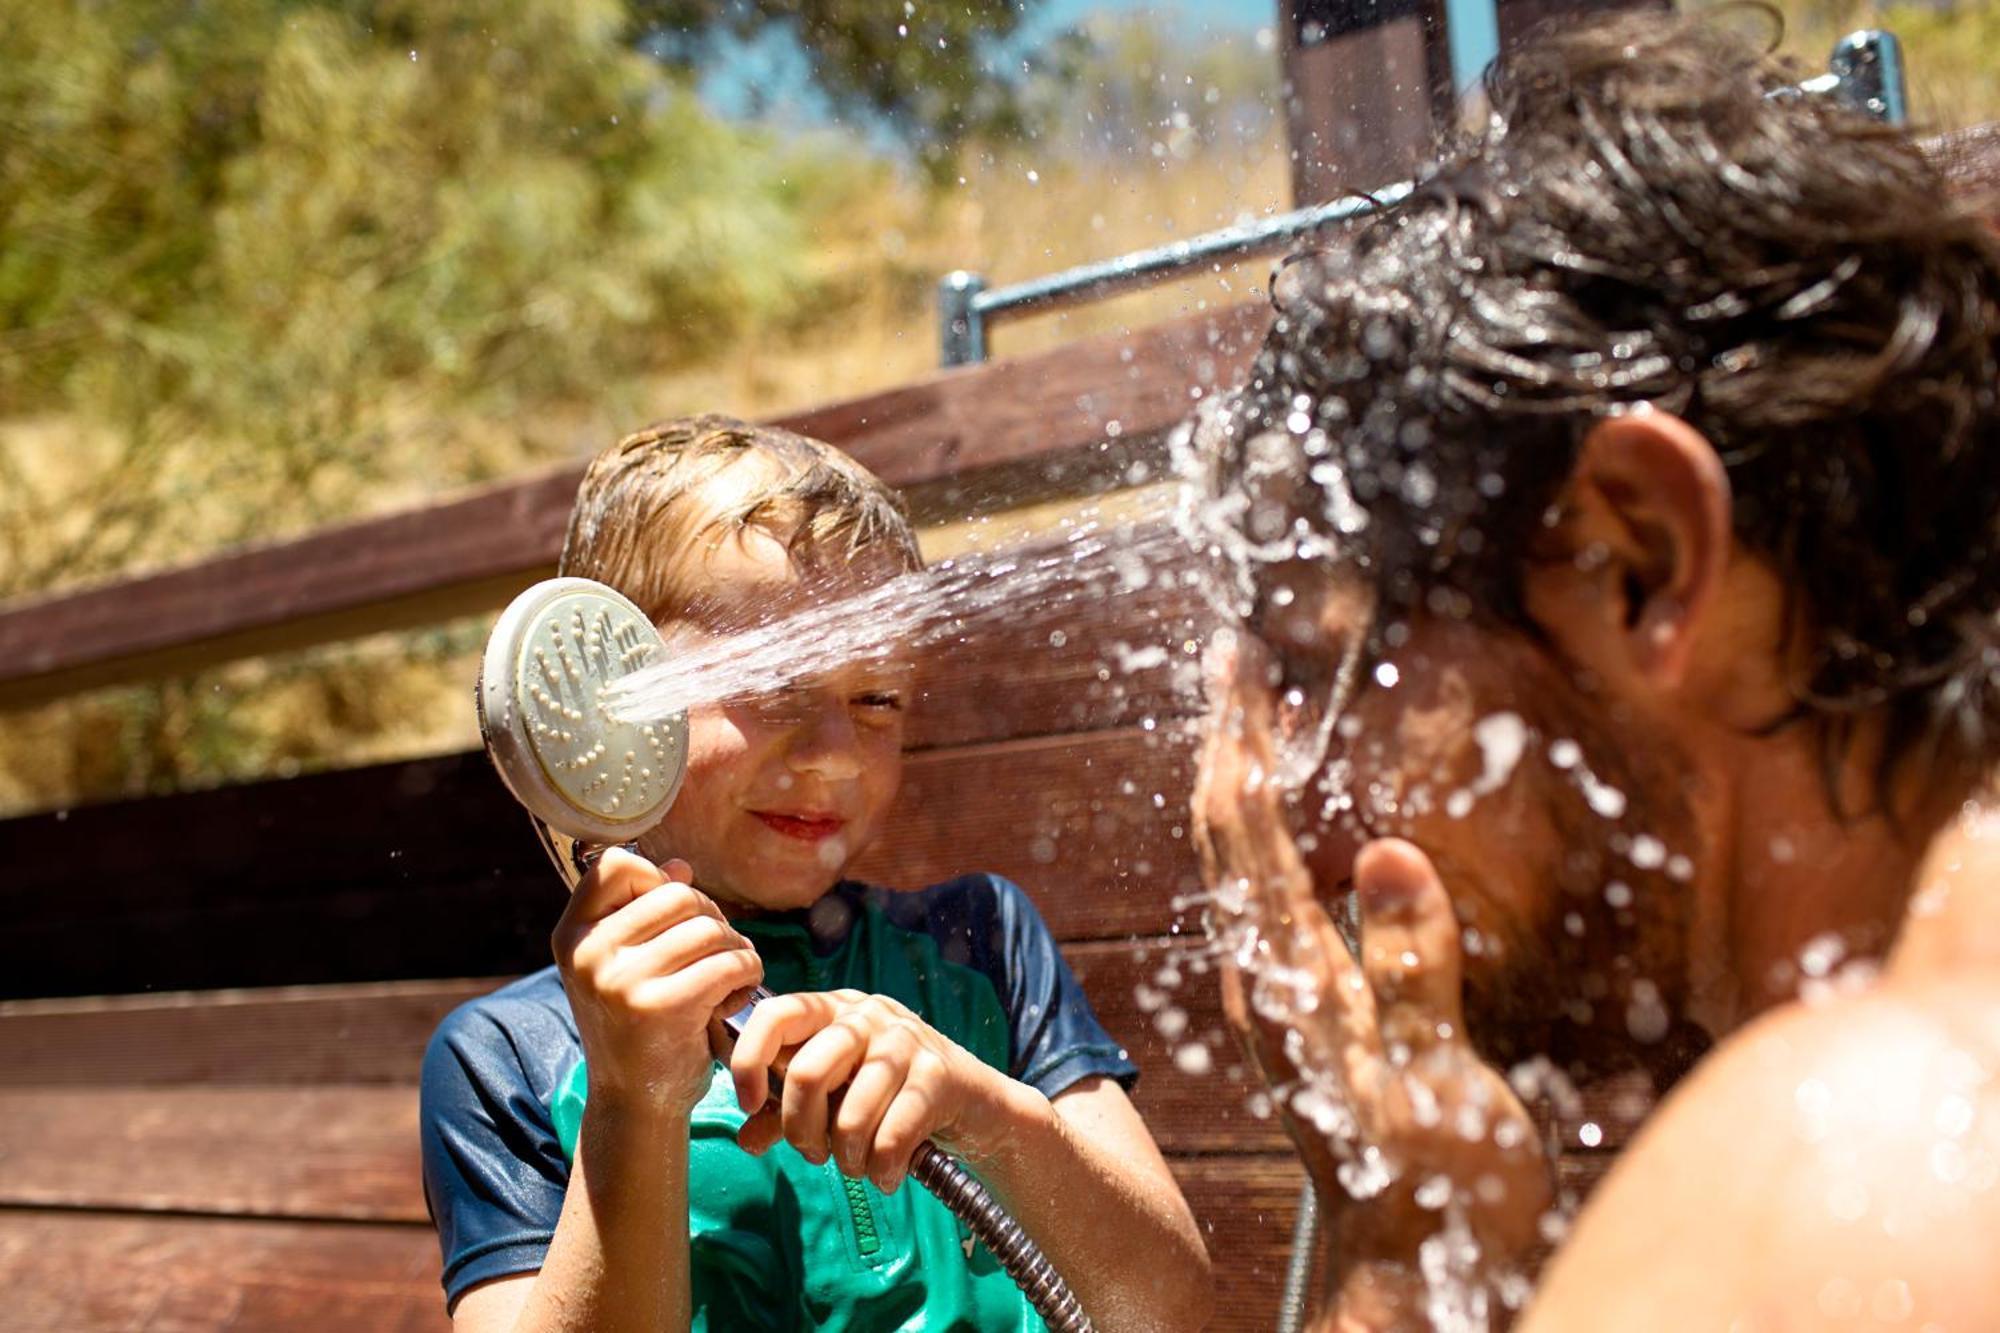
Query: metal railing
(1865, 72)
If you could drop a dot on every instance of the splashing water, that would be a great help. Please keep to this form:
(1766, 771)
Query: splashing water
(945, 603)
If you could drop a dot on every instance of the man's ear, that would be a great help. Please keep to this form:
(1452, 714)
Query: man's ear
(1628, 574)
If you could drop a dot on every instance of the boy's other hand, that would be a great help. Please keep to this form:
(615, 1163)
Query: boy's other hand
(867, 1081)
(647, 960)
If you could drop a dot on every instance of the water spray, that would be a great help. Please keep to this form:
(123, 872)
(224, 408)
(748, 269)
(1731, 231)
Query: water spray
(591, 778)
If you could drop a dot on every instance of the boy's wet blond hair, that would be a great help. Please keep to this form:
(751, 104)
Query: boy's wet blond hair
(651, 503)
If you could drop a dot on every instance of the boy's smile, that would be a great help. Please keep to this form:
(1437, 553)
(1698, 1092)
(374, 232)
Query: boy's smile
(784, 789)
(813, 827)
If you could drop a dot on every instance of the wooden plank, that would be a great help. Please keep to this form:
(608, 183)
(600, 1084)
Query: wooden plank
(360, 1035)
(84, 1272)
(427, 868)
(1362, 78)
(473, 552)
(362, 1040)
(81, 1271)
(1245, 1206)
(328, 1153)
(347, 1150)
(334, 1153)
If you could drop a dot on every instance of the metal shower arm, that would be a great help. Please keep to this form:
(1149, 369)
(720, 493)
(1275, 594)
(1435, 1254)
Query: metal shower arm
(1864, 72)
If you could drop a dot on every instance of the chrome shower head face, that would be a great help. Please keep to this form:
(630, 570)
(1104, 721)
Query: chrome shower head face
(583, 773)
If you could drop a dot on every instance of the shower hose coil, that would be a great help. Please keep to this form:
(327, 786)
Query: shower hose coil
(1022, 1259)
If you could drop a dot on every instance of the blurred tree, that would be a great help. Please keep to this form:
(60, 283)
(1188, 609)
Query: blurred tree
(248, 246)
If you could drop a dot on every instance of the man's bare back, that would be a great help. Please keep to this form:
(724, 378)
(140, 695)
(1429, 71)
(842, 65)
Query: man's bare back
(1834, 1165)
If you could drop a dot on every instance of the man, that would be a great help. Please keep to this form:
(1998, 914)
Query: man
(1613, 528)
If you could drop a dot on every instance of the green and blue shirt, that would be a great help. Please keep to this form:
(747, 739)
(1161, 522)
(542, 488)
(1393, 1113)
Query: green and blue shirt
(775, 1242)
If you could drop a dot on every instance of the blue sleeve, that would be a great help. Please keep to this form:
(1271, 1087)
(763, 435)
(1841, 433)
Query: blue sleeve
(494, 1172)
(1056, 1038)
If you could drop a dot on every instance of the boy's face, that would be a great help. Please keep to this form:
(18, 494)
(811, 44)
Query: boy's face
(783, 791)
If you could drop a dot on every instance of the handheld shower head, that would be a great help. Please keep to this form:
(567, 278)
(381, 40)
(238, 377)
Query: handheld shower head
(585, 775)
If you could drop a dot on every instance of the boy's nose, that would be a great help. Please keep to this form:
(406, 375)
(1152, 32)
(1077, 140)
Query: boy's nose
(826, 744)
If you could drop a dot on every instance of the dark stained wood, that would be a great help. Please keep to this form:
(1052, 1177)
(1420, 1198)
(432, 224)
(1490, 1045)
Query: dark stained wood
(428, 869)
(365, 1038)
(370, 1037)
(327, 1153)
(1361, 80)
(312, 1152)
(84, 1272)
(291, 1036)
(1082, 659)
(1245, 1205)
(1094, 827)
(472, 553)
(95, 1273)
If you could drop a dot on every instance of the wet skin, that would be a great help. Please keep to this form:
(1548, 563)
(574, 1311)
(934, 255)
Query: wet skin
(1657, 648)
(783, 791)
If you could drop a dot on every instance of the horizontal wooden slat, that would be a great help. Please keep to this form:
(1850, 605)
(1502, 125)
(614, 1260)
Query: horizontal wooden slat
(333, 1153)
(428, 869)
(93, 1273)
(1078, 661)
(291, 1036)
(233, 1143)
(1245, 1206)
(366, 1038)
(84, 1272)
(472, 553)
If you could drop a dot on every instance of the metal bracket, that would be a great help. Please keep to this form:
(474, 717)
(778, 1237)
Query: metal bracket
(1865, 72)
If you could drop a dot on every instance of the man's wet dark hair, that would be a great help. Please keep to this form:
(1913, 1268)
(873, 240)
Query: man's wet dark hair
(1640, 223)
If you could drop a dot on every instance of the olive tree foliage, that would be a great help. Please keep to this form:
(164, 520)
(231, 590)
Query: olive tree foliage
(262, 259)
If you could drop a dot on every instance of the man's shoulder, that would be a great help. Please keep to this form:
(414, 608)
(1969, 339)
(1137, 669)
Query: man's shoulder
(1844, 1152)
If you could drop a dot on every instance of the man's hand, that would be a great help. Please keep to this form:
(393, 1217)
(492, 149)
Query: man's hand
(867, 1081)
(1368, 1057)
(647, 960)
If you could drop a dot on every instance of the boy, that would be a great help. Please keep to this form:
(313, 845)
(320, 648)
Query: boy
(589, 1166)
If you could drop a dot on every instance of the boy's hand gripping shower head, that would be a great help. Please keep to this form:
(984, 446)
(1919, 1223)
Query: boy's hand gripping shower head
(591, 780)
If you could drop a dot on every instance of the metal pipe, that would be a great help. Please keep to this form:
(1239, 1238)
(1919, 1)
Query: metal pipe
(1865, 72)
(966, 304)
